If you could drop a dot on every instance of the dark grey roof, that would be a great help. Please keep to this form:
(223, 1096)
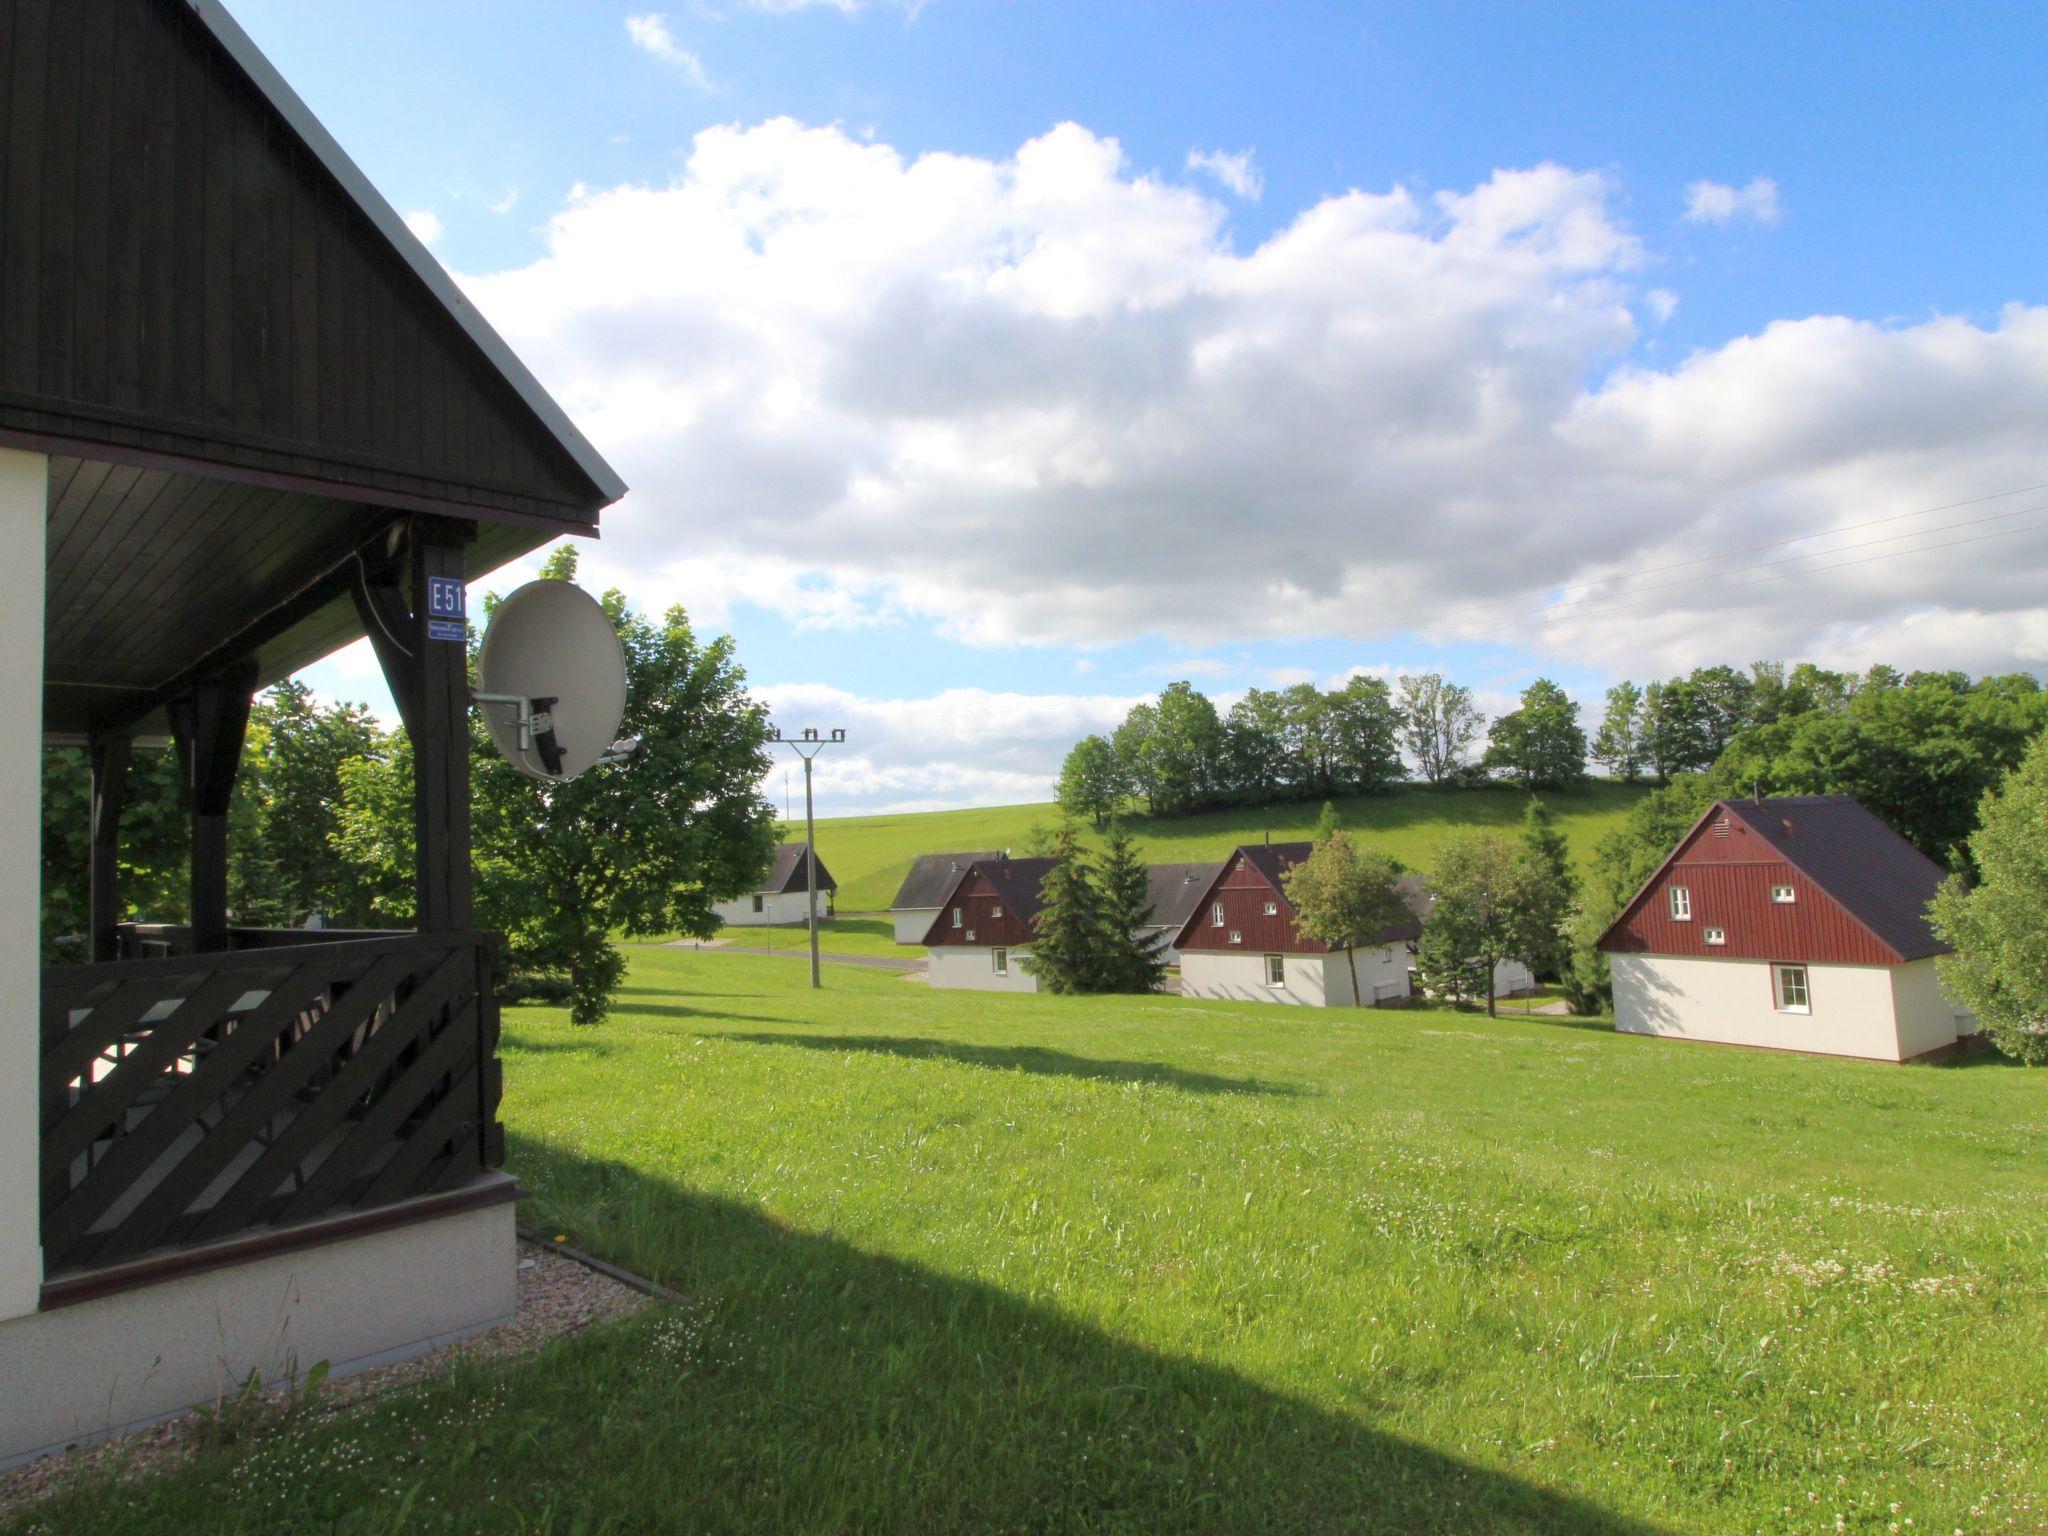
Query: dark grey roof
(1883, 881)
(932, 875)
(786, 872)
(1175, 889)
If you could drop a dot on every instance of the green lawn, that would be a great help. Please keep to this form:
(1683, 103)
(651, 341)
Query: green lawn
(836, 936)
(960, 1263)
(869, 855)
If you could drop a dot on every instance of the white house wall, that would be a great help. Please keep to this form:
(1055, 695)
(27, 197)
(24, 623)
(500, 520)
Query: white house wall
(1313, 981)
(123, 1360)
(24, 487)
(913, 923)
(785, 907)
(961, 969)
(1854, 1007)
(1928, 1020)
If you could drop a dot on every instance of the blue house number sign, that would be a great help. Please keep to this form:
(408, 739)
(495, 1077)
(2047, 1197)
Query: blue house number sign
(445, 608)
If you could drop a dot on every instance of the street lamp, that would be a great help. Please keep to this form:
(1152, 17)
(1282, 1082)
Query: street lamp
(807, 744)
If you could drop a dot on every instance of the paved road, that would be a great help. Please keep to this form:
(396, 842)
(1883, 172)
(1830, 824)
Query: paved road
(803, 952)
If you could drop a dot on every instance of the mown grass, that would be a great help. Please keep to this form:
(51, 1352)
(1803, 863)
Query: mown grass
(869, 855)
(961, 1263)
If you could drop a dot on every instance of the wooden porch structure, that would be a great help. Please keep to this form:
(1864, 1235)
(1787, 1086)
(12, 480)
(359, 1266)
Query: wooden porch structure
(265, 423)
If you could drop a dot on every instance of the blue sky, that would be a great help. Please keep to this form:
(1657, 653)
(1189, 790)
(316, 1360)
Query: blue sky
(1593, 208)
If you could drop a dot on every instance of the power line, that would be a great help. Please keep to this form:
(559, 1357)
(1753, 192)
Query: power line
(1751, 549)
(1981, 538)
(1758, 565)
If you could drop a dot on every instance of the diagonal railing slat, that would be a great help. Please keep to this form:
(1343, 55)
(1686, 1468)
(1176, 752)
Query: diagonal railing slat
(280, 1084)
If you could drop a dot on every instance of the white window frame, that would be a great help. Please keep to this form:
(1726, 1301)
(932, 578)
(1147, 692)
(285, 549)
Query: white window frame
(1276, 970)
(1680, 903)
(1780, 992)
(999, 960)
(1715, 936)
(958, 920)
(995, 911)
(1216, 918)
(970, 935)
(1387, 955)
(1784, 895)
(1236, 937)
(1272, 909)
(760, 903)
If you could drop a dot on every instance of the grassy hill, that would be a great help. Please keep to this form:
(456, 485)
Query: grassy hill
(869, 855)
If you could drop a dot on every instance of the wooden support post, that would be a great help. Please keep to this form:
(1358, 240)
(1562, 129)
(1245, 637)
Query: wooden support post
(209, 724)
(109, 791)
(440, 727)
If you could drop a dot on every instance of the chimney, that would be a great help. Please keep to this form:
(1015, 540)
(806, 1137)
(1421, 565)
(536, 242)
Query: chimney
(1787, 824)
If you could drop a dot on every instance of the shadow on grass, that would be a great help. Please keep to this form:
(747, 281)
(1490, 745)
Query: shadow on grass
(822, 1388)
(1025, 1058)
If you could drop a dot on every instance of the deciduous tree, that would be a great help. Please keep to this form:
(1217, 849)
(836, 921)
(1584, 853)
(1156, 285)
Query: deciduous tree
(1618, 745)
(1345, 895)
(1439, 723)
(1999, 927)
(1485, 893)
(1090, 783)
(1541, 744)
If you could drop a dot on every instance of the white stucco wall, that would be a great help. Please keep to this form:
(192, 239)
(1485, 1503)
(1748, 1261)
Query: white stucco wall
(124, 1360)
(1927, 1019)
(913, 923)
(1313, 981)
(1855, 1010)
(1510, 977)
(973, 970)
(24, 487)
(785, 907)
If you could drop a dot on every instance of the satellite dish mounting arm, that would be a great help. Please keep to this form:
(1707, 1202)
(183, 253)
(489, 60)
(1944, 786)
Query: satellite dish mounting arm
(535, 721)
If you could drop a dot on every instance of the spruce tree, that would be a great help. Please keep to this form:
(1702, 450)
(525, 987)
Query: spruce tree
(1130, 960)
(1066, 950)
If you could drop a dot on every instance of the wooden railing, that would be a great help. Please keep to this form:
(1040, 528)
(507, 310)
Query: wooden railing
(187, 1099)
(155, 941)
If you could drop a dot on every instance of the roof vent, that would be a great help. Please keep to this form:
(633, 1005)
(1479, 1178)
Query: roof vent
(1787, 824)
(1721, 827)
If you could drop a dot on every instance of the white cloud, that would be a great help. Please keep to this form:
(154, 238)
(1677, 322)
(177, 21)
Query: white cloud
(1662, 304)
(1714, 202)
(651, 35)
(1236, 172)
(1043, 399)
(425, 225)
(507, 203)
(962, 747)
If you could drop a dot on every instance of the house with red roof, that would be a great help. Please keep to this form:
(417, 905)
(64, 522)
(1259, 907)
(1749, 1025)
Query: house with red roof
(1241, 940)
(1795, 922)
(983, 929)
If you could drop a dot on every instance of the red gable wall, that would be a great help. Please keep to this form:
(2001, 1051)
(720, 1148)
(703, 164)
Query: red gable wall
(977, 899)
(1244, 891)
(1729, 872)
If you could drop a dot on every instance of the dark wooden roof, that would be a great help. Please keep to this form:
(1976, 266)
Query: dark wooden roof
(1861, 891)
(786, 873)
(242, 365)
(932, 875)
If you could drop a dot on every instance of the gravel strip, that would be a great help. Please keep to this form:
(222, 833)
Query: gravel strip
(557, 1296)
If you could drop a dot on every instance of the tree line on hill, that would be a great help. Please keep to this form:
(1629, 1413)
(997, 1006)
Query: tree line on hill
(322, 823)
(1920, 748)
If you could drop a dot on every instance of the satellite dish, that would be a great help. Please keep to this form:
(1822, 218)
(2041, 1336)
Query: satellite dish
(552, 682)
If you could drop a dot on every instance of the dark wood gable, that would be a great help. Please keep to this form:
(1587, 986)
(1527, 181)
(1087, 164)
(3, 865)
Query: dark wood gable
(1244, 891)
(188, 278)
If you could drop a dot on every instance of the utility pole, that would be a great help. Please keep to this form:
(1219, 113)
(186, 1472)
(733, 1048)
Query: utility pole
(807, 745)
